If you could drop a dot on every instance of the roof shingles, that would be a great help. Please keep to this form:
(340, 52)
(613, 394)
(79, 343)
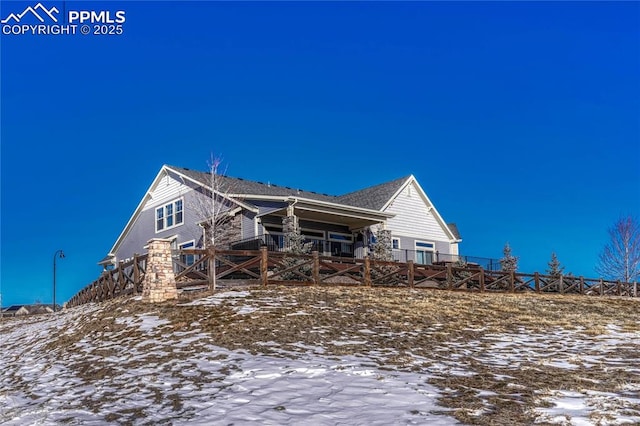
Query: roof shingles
(373, 198)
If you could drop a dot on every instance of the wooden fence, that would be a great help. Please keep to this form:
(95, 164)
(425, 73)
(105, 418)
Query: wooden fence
(126, 279)
(192, 269)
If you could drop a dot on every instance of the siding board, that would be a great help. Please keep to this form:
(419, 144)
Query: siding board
(413, 217)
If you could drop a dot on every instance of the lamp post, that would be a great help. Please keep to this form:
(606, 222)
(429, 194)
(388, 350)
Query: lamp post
(59, 253)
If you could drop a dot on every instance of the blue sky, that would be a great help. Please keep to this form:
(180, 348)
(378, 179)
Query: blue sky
(520, 120)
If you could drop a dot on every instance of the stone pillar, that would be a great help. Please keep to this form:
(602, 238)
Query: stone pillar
(159, 283)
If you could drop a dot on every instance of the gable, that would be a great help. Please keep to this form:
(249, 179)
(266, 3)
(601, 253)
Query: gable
(168, 188)
(415, 215)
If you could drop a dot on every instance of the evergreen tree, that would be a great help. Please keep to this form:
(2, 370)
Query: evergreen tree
(555, 268)
(509, 262)
(294, 243)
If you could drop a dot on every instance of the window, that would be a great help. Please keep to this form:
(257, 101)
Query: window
(424, 252)
(340, 237)
(341, 244)
(316, 238)
(187, 259)
(160, 219)
(169, 215)
(395, 243)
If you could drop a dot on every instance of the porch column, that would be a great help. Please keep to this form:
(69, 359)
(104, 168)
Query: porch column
(289, 227)
(159, 283)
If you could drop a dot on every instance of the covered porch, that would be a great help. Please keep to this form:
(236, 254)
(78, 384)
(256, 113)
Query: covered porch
(330, 229)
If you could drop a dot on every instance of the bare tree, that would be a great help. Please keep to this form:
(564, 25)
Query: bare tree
(620, 258)
(216, 210)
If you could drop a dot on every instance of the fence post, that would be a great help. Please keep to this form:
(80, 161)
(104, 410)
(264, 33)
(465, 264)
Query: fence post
(316, 267)
(619, 288)
(481, 279)
(601, 287)
(136, 274)
(581, 285)
(111, 284)
(211, 269)
(512, 281)
(635, 289)
(449, 277)
(264, 265)
(123, 283)
(367, 271)
(536, 279)
(410, 271)
(561, 283)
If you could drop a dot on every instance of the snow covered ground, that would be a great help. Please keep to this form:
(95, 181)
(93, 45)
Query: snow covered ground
(111, 363)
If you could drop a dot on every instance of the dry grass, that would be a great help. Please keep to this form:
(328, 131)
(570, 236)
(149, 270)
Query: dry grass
(437, 332)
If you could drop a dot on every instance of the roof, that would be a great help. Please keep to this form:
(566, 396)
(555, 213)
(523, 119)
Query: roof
(454, 229)
(13, 308)
(37, 308)
(241, 186)
(372, 198)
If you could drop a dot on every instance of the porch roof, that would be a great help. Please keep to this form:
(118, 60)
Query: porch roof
(322, 211)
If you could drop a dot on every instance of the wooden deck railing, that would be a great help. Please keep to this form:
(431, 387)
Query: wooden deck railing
(262, 267)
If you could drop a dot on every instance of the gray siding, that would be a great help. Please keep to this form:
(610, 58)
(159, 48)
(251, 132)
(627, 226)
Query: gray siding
(408, 247)
(266, 207)
(144, 228)
(443, 247)
(248, 228)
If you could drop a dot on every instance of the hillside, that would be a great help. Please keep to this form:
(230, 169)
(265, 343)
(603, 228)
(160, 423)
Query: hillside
(327, 356)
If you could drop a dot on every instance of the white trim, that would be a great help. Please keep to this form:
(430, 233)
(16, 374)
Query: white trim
(424, 249)
(399, 245)
(229, 197)
(184, 257)
(163, 207)
(432, 249)
(430, 207)
(324, 233)
(138, 209)
(180, 246)
(256, 226)
(341, 207)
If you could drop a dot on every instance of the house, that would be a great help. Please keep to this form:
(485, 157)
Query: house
(342, 225)
(15, 310)
(21, 310)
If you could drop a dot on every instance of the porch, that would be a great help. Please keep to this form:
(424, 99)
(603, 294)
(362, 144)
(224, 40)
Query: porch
(358, 249)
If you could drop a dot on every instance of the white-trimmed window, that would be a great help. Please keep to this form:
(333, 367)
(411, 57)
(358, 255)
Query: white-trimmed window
(170, 215)
(187, 259)
(395, 243)
(424, 252)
